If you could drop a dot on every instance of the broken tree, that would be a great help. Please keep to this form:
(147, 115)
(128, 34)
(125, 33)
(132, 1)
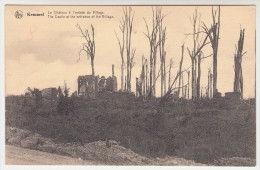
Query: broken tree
(196, 52)
(122, 48)
(180, 70)
(213, 34)
(238, 82)
(154, 42)
(162, 38)
(129, 18)
(126, 27)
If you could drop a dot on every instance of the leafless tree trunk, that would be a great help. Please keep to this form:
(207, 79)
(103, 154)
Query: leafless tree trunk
(136, 87)
(131, 65)
(129, 18)
(213, 34)
(164, 72)
(146, 78)
(199, 74)
(195, 78)
(170, 69)
(208, 83)
(182, 85)
(125, 82)
(210, 89)
(188, 84)
(238, 82)
(121, 44)
(143, 76)
(180, 69)
(89, 46)
(185, 92)
(162, 38)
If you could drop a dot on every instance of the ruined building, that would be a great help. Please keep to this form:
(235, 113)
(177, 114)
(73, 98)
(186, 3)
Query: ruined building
(49, 93)
(89, 85)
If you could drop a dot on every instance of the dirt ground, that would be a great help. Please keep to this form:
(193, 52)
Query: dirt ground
(19, 156)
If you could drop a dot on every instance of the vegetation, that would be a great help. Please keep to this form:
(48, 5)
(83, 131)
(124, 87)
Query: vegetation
(202, 131)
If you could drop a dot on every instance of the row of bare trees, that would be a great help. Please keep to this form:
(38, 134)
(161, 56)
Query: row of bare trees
(157, 36)
(126, 28)
(202, 35)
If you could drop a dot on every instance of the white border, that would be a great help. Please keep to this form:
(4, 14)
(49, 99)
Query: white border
(116, 2)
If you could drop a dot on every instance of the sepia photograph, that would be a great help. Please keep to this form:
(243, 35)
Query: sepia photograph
(148, 85)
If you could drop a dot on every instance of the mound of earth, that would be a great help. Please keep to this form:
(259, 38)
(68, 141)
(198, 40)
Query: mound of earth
(235, 161)
(176, 161)
(95, 151)
(101, 153)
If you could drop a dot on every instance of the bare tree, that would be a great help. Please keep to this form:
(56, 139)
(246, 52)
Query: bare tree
(131, 65)
(183, 87)
(213, 34)
(143, 76)
(126, 27)
(238, 82)
(199, 74)
(198, 44)
(208, 95)
(209, 90)
(129, 18)
(154, 42)
(170, 69)
(196, 32)
(162, 38)
(89, 46)
(122, 48)
(180, 69)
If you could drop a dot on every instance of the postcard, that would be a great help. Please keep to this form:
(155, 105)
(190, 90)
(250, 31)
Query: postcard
(130, 85)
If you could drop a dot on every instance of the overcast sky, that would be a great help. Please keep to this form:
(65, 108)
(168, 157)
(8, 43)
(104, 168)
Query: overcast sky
(42, 52)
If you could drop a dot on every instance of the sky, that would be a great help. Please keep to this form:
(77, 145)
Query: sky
(43, 52)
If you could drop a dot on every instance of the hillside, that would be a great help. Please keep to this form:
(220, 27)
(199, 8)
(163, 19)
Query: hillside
(203, 131)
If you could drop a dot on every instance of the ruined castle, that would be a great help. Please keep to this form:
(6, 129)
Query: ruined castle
(89, 85)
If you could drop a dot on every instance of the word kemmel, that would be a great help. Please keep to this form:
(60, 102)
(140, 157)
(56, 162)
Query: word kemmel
(31, 15)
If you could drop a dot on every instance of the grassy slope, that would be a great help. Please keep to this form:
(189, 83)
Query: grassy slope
(202, 131)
